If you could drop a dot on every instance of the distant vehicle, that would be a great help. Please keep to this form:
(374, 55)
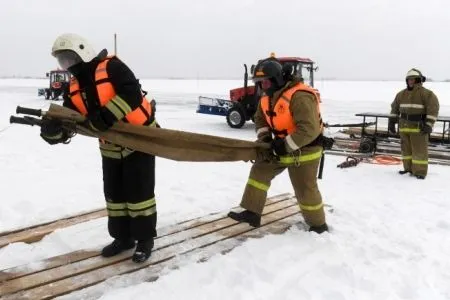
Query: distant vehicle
(59, 81)
(244, 100)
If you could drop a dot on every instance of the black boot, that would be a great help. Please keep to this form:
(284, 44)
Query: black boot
(253, 219)
(420, 177)
(319, 229)
(143, 251)
(403, 172)
(117, 246)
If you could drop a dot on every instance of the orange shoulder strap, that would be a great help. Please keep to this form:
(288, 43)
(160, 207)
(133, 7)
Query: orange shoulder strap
(100, 72)
(298, 87)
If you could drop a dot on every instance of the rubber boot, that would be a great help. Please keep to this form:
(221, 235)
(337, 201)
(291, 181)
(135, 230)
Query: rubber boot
(117, 246)
(420, 177)
(319, 229)
(402, 172)
(253, 219)
(143, 251)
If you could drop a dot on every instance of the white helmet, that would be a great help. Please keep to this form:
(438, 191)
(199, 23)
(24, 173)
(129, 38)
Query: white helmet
(414, 73)
(70, 42)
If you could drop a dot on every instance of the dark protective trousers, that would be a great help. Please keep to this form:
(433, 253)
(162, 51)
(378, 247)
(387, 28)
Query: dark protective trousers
(415, 152)
(129, 184)
(304, 182)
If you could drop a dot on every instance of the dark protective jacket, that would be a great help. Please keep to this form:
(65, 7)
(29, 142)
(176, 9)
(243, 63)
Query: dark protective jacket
(415, 107)
(128, 98)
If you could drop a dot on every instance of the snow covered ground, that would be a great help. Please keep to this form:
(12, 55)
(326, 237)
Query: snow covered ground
(389, 237)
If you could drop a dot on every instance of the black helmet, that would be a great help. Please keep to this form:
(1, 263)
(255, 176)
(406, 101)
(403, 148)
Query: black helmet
(269, 68)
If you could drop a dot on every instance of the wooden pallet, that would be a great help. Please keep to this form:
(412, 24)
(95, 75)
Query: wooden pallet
(71, 272)
(37, 232)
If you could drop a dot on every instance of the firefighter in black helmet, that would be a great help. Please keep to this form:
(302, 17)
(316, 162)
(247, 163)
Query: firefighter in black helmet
(270, 73)
(288, 117)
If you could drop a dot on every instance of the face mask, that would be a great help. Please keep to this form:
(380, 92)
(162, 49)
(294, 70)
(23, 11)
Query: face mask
(67, 59)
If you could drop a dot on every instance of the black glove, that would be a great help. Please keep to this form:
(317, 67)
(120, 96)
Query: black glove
(101, 119)
(327, 143)
(426, 129)
(52, 131)
(279, 147)
(391, 126)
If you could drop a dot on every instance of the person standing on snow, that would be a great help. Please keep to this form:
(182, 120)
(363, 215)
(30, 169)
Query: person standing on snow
(289, 111)
(417, 109)
(106, 91)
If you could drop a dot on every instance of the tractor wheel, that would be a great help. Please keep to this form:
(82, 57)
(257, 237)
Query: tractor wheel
(235, 117)
(367, 145)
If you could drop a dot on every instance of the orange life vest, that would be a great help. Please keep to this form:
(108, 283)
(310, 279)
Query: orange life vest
(106, 92)
(280, 118)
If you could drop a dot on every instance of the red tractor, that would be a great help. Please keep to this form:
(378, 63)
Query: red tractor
(59, 81)
(244, 100)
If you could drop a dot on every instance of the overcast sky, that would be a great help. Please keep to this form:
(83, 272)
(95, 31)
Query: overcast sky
(349, 39)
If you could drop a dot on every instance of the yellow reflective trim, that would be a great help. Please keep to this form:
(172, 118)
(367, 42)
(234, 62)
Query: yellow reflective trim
(144, 208)
(290, 142)
(116, 154)
(142, 213)
(142, 205)
(111, 154)
(406, 157)
(114, 110)
(54, 137)
(420, 162)
(418, 106)
(311, 207)
(122, 104)
(127, 152)
(301, 158)
(153, 124)
(409, 130)
(117, 213)
(259, 185)
(110, 205)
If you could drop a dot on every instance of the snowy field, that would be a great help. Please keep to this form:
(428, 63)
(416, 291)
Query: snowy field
(389, 234)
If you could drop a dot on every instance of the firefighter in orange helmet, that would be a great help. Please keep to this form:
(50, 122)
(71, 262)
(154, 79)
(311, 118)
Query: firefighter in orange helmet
(106, 91)
(288, 117)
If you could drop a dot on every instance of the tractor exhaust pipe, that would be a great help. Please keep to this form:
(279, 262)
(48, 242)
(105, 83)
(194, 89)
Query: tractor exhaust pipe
(245, 80)
(115, 43)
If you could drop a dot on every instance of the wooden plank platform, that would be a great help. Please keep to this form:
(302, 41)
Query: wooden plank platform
(64, 274)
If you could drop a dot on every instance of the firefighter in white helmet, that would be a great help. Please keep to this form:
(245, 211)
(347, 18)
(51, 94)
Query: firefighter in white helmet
(106, 91)
(416, 109)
